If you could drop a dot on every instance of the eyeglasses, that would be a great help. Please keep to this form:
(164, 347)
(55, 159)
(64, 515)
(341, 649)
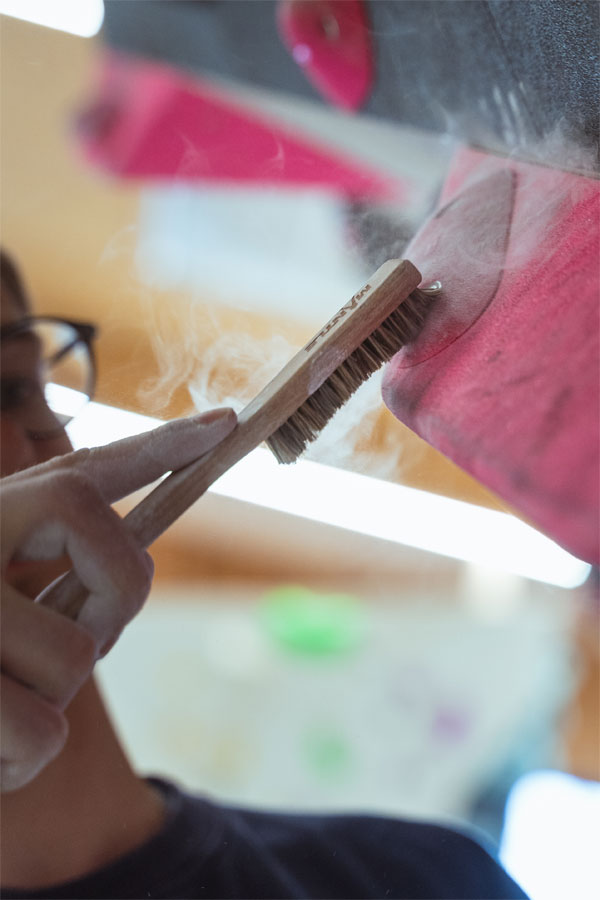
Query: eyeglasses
(47, 372)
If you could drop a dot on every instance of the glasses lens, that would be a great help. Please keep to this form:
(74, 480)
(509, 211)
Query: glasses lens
(66, 369)
(47, 376)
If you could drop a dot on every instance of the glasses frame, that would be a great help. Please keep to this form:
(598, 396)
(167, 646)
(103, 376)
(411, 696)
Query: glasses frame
(86, 333)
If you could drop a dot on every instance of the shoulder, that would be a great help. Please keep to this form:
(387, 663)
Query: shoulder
(210, 850)
(372, 856)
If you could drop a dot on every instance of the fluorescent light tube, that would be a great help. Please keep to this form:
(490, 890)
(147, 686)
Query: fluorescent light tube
(64, 400)
(81, 17)
(369, 506)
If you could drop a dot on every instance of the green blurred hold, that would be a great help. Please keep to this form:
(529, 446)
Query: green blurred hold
(327, 754)
(312, 623)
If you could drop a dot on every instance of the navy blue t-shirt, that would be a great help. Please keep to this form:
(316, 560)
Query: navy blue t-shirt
(212, 851)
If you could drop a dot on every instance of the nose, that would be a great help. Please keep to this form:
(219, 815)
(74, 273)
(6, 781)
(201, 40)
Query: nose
(20, 450)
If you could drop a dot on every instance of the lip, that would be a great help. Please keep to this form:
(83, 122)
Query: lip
(33, 574)
(19, 572)
(18, 566)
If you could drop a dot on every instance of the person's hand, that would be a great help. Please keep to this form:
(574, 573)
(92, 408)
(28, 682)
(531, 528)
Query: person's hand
(62, 507)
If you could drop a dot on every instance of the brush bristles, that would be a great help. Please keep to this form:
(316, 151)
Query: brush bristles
(305, 425)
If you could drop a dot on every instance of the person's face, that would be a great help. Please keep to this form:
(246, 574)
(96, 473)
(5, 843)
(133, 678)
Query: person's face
(19, 362)
(18, 450)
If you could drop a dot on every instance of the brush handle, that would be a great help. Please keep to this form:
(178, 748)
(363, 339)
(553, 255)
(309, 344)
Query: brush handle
(392, 283)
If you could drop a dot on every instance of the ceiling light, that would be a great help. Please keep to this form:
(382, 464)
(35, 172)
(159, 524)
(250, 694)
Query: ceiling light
(369, 506)
(80, 17)
(404, 515)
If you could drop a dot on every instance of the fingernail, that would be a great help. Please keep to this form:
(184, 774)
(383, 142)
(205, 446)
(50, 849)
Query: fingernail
(214, 415)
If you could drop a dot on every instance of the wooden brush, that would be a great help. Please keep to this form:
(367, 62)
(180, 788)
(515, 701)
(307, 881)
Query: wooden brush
(383, 316)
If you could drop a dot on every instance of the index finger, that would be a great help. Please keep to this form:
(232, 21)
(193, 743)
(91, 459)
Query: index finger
(124, 466)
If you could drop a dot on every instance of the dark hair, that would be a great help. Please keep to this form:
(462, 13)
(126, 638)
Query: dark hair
(11, 279)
